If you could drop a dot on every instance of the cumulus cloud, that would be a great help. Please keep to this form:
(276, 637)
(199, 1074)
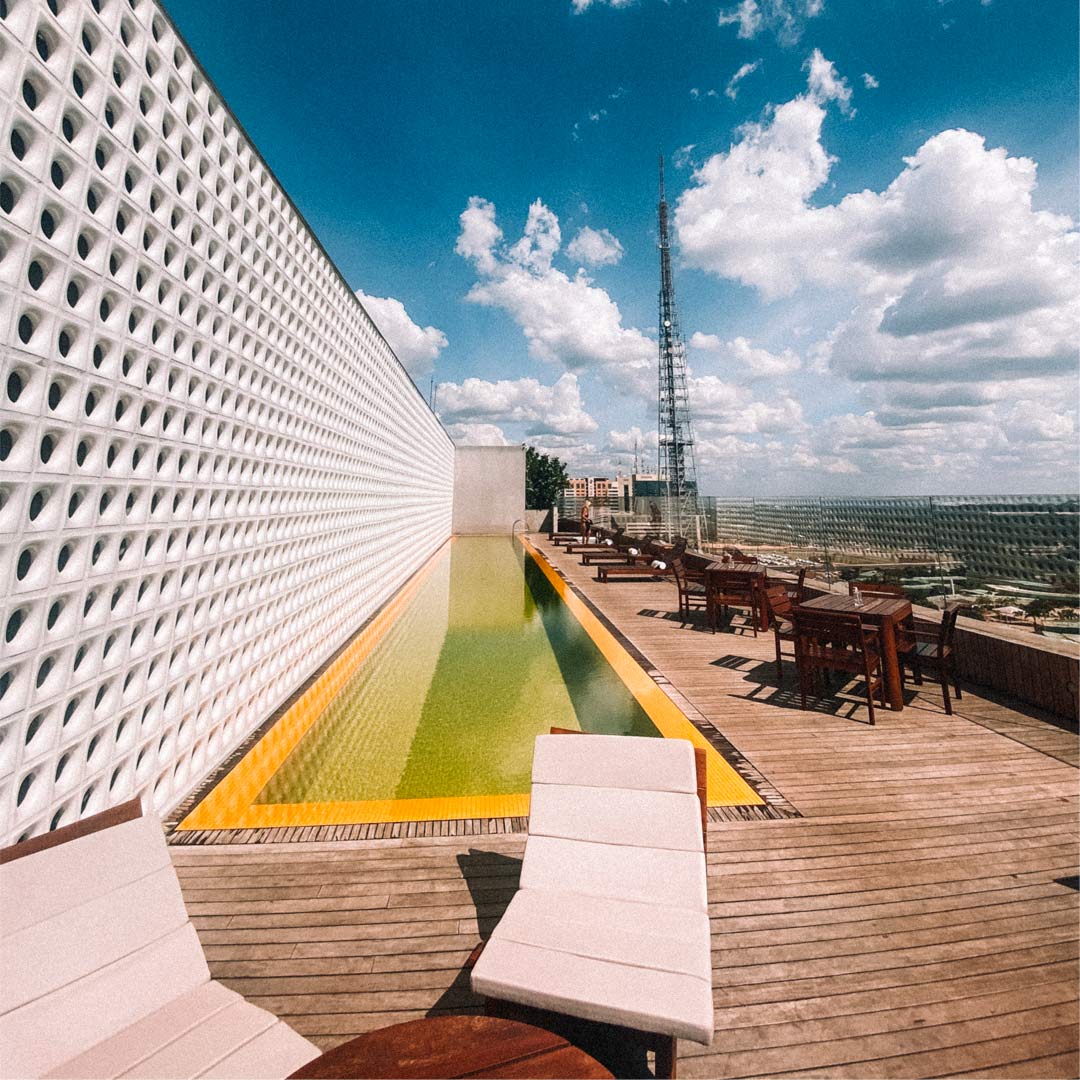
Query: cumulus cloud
(548, 410)
(634, 439)
(566, 320)
(959, 295)
(595, 247)
(746, 359)
(477, 435)
(732, 88)
(415, 347)
(785, 19)
(869, 81)
(825, 84)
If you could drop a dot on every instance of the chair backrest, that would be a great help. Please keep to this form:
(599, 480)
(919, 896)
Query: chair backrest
(948, 626)
(875, 588)
(94, 936)
(830, 629)
(779, 602)
(678, 572)
(800, 586)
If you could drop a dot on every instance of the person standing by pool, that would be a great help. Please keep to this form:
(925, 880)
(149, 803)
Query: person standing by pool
(586, 524)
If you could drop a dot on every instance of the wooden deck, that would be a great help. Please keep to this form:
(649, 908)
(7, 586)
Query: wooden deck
(920, 918)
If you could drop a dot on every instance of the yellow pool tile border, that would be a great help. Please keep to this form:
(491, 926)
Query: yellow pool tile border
(231, 804)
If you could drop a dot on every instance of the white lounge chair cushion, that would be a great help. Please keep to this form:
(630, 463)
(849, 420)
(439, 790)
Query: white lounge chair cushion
(642, 966)
(655, 819)
(624, 761)
(643, 875)
(210, 1031)
(97, 951)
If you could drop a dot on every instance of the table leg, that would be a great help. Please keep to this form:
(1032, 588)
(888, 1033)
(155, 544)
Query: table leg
(894, 688)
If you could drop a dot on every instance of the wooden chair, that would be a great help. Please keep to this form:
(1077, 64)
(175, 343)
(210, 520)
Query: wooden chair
(935, 651)
(835, 641)
(780, 617)
(691, 587)
(797, 589)
(732, 589)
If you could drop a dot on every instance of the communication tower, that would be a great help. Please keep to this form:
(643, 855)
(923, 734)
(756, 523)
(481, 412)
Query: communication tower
(675, 465)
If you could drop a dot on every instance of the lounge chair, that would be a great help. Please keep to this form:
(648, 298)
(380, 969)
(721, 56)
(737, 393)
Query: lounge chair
(102, 973)
(611, 921)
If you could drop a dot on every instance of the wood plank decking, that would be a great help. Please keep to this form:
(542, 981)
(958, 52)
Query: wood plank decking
(919, 919)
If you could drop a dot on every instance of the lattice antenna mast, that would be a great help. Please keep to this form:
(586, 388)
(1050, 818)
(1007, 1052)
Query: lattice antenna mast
(675, 464)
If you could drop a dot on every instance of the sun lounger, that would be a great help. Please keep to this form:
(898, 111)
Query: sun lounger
(611, 920)
(642, 569)
(102, 972)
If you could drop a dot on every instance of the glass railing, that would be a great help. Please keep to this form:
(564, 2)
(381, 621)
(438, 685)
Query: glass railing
(1006, 555)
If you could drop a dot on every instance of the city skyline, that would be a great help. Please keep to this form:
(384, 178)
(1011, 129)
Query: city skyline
(873, 220)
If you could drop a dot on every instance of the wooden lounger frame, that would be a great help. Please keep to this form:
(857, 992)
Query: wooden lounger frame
(115, 815)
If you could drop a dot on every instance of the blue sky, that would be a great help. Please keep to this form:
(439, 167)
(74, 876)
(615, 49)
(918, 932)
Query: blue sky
(874, 207)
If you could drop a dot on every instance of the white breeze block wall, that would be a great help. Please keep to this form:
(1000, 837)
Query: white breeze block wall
(212, 466)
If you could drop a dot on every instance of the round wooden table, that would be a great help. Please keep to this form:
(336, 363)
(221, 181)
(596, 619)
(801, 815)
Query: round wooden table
(453, 1046)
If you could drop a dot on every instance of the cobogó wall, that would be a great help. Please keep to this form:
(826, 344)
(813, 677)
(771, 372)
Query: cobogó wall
(212, 466)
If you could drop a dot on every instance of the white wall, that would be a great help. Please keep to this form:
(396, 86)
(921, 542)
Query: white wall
(489, 489)
(212, 467)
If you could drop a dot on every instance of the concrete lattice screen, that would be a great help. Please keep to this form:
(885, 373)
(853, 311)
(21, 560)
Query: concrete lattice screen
(212, 467)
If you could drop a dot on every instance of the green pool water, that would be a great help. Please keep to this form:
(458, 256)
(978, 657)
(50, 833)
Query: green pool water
(484, 657)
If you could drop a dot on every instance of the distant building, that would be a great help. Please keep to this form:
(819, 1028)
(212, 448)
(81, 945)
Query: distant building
(599, 488)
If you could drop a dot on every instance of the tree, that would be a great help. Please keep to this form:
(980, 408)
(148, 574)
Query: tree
(545, 477)
(1038, 609)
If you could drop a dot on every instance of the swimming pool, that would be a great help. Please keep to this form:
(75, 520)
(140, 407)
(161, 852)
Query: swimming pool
(432, 710)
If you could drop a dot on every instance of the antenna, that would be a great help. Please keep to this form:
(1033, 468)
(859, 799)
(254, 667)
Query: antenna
(675, 454)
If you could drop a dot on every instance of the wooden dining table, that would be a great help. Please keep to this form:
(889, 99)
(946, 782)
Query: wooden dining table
(754, 574)
(885, 614)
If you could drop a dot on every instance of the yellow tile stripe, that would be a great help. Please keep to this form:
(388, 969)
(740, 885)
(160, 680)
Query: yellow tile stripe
(231, 804)
(725, 786)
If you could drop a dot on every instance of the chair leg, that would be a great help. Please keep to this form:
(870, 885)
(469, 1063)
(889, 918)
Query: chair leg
(945, 692)
(779, 666)
(667, 1052)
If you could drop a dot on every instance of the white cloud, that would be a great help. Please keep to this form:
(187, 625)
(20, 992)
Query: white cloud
(732, 88)
(580, 6)
(415, 347)
(786, 19)
(566, 320)
(634, 439)
(961, 318)
(825, 84)
(745, 358)
(595, 247)
(1033, 421)
(479, 234)
(548, 410)
(747, 16)
(869, 81)
(477, 435)
(539, 242)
